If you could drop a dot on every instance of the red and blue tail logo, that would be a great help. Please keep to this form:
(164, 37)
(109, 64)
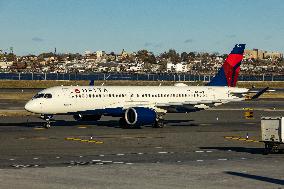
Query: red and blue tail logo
(229, 72)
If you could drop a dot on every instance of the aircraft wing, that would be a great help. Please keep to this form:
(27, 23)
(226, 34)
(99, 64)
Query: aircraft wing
(189, 106)
(170, 107)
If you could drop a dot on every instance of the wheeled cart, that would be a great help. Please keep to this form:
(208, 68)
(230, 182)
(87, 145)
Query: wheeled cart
(272, 133)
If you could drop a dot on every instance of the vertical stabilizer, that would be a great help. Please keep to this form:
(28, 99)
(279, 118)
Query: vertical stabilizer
(229, 72)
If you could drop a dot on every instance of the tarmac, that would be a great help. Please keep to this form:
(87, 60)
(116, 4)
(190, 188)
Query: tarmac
(217, 148)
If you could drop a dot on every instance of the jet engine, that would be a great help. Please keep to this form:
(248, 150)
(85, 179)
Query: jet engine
(81, 117)
(140, 116)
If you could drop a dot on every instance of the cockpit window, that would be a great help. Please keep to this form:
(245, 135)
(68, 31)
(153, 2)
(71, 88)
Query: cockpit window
(39, 95)
(42, 95)
(47, 95)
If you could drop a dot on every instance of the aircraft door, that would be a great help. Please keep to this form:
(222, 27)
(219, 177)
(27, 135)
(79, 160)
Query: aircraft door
(130, 96)
(212, 93)
(67, 98)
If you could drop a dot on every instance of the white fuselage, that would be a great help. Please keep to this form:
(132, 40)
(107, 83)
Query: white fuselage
(72, 99)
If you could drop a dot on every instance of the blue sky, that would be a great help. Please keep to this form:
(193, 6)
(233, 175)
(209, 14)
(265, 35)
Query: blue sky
(35, 26)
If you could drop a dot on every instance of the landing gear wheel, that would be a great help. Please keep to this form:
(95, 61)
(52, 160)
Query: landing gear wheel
(122, 123)
(159, 124)
(271, 148)
(47, 125)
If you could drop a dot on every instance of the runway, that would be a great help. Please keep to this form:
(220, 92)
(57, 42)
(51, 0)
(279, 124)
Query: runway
(196, 150)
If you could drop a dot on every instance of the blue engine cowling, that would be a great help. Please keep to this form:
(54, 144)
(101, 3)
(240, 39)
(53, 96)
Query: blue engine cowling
(140, 116)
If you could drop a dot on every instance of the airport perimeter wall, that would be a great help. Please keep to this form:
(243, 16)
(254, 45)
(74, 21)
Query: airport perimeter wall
(131, 76)
(51, 83)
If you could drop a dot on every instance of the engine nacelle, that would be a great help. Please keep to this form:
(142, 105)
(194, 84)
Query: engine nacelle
(80, 117)
(140, 116)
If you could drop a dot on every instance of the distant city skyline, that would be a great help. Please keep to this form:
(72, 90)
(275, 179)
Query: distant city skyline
(33, 27)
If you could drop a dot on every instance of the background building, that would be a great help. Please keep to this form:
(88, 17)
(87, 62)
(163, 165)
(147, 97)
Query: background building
(261, 55)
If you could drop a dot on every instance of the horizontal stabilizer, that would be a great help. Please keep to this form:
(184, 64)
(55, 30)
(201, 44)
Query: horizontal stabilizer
(259, 93)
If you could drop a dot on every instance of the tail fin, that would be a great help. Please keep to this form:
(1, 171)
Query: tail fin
(229, 72)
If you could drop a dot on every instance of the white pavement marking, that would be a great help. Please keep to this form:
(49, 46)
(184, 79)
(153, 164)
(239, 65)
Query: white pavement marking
(96, 160)
(158, 147)
(140, 153)
(35, 158)
(106, 161)
(243, 158)
(222, 159)
(162, 152)
(118, 162)
(208, 151)
(102, 155)
(81, 156)
(199, 151)
(129, 163)
(57, 157)
(11, 159)
(120, 154)
(199, 160)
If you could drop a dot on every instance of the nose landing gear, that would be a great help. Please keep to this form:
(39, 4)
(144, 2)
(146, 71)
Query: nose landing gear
(47, 118)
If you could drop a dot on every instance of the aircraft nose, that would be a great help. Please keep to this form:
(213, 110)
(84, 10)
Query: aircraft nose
(30, 106)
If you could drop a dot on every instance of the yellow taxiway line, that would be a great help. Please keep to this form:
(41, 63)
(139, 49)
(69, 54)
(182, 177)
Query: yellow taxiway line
(240, 139)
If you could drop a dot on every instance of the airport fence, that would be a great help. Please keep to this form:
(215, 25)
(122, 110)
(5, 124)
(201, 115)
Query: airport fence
(130, 76)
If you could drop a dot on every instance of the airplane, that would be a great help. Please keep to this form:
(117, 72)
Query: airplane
(142, 105)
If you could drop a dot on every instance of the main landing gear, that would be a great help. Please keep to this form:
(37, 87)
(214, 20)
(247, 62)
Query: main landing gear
(159, 122)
